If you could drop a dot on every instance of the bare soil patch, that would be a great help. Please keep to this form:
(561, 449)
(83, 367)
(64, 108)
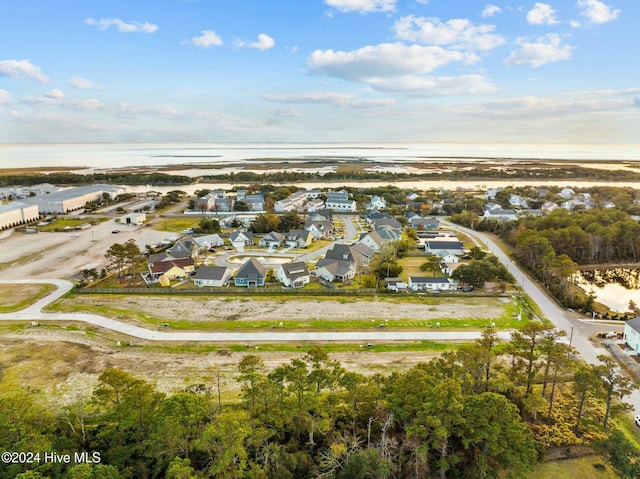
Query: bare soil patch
(11, 295)
(66, 364)
(246, 309)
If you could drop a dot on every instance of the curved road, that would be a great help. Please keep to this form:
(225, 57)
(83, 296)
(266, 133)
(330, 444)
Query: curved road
(34, 313)
(577, 330)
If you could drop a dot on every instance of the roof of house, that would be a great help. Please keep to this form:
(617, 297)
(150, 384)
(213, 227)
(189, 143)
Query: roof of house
(336, 267)
(208, 239)
(273, 236)
(386, 222)
(634, 324)
(211, 272)
(444, 245)
(426, 279)
(295, 270)
(351, 253)
(164, 266)
(241, 235)
(252, 269)
(295, 235)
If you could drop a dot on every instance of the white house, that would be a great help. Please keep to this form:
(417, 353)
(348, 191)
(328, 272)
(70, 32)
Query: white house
(335, 270)
(632, 334)
(271, 240)
(341, 205)
(293, 275)
(377, 203)
(437, 247)
(216, 276)
(209, 241)
(420, 283)
(373, 240)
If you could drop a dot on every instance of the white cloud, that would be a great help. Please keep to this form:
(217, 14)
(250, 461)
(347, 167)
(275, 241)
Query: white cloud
(414, 85)
(384, 60)
(423, 2)
(208, 38)
(490, 10)
(55, 94)
(597, 12)
(545, 49)
(333, 98)
(362, 6)
(5, 97)
(264, 42)
(458, 32)
(80, 83)
(122, 26)
(542, 14)
(22, 69)
(575, 24)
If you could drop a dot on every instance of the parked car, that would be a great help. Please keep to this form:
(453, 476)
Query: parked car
(115, 231)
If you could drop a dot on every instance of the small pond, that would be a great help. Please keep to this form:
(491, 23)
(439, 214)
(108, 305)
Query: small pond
(614, 288)
(267, 260)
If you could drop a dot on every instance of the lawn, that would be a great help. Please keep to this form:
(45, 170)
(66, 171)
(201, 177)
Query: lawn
(176, 225)
(583, 468)
(64, 223)
(14, 297)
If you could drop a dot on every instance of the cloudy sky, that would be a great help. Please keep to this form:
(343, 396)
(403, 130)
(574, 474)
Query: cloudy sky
(320, 70)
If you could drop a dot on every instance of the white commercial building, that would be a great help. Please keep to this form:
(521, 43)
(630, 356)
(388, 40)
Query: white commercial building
(72, 199)
(15, 214)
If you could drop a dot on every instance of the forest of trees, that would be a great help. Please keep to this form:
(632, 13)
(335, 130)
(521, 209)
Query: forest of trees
(552, 247)
(485, 410)
(115, 178)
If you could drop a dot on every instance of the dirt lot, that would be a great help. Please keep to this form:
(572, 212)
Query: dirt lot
(66, 364)
(198, 309)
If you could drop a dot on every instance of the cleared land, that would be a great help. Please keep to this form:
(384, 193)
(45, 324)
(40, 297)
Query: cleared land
(237, 313)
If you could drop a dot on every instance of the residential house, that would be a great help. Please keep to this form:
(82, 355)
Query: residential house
(185, 247)
(244, 237)
(632, 334)
(271, 240)
(548, 206)
(171, 269)
(413, 196)
(209, 241)
(321, 215)
(491, 193)
(449, 267)
(335, 270)
(216, 276)
(567, 193)
(372, 216)
(373, 240)
(223, 205)
(421, 283)
(420, 223)
(497, 213)
(299, 238)
(388, 233)
(342, 205)
(517, 200)
(314, 205)
(319, 229)
(252, 274)
(358, 254)
(255, 202)
(377, 203)
(395, 284)
(388, 222)
(436, 247)
(293, 275)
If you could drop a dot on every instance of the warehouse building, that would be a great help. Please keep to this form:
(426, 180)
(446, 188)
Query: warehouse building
(15, 214)
(62, 202)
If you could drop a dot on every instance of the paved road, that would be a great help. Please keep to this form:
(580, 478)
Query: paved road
(578, 330)
(34, 313)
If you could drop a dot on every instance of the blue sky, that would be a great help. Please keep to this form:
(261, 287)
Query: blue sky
(320, 70)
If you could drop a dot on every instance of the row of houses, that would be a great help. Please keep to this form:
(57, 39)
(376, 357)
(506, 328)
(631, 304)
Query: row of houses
(223, 202)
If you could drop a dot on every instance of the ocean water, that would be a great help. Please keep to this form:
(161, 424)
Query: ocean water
(120, 155)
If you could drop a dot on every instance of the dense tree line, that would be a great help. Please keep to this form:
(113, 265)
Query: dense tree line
(155, 179)
(561, 173)
(552, 247)
(487, 410)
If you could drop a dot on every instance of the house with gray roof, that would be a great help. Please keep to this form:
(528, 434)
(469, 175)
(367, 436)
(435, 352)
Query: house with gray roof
(299, 238)
(216, 276)
(293, 275)
(251, 274)
(335, 270)
(436, 247)
(632, 334)
(271, 240)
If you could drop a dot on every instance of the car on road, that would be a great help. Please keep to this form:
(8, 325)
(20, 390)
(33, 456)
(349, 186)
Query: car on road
(115, 231)
(638, 420)
(74, 235)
